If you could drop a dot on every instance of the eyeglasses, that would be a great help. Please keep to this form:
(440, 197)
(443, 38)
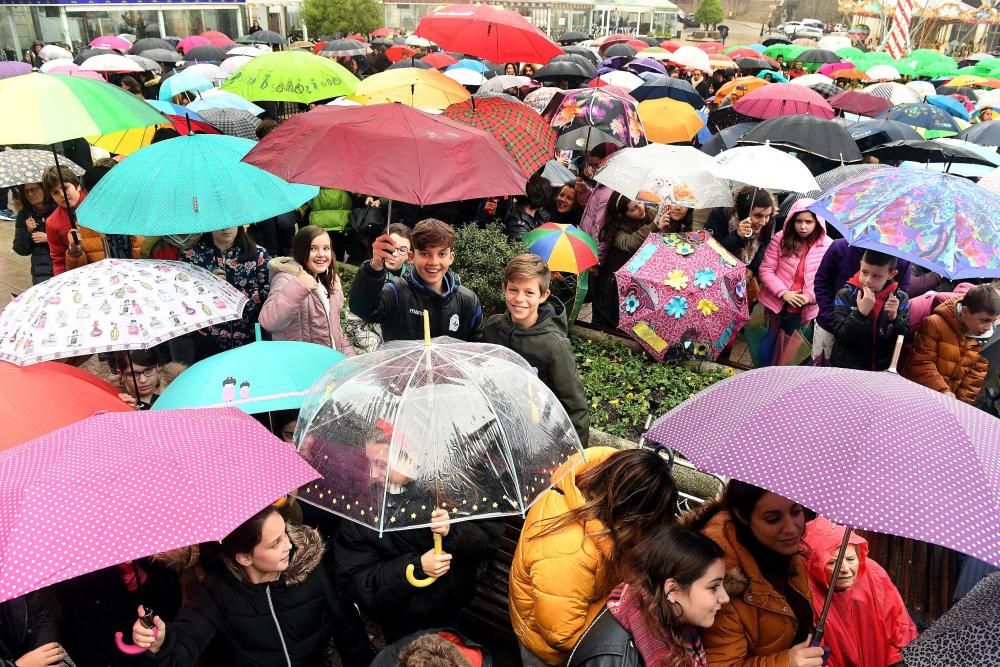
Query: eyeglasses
(145, 372)
(400, 250)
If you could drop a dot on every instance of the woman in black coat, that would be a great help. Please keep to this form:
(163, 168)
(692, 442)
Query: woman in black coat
(268, 600)
(29, 229)
(27, 631)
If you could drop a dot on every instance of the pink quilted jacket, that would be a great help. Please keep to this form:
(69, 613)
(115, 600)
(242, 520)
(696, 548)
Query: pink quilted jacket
(777, 272)
(292, 311)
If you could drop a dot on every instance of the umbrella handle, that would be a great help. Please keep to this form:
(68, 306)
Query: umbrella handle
(132, 649)
(424, 583)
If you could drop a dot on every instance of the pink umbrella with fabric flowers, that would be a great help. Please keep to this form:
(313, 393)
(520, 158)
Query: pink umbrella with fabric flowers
(682, 295)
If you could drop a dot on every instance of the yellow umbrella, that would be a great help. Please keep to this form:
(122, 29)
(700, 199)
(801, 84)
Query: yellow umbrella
(669, 121)
(420, 88)
(126, 142)
(654, 52)
(968, 80)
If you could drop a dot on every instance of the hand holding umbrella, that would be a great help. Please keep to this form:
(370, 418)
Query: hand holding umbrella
(148, 633)
(435, 562)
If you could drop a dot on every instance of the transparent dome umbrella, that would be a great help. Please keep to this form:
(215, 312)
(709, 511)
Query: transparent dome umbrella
(415, 426)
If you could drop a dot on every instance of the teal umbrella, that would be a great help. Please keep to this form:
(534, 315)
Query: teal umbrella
(183, 82)
(188, 185)
(263, 376)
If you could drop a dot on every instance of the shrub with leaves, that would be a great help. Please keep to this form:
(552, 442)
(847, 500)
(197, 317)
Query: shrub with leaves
(624, 386)
(480, 257)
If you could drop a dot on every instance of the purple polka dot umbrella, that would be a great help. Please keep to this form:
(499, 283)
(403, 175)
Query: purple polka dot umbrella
(120, 486)
(869, 450)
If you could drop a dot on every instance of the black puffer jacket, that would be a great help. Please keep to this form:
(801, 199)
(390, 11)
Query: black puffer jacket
(287, 622)
(41, 260)
(372, 570)
(398, 304)
(519, 222)
(25, 624)
(606, 644)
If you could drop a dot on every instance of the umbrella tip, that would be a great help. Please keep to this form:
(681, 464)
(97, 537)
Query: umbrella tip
(427, 328)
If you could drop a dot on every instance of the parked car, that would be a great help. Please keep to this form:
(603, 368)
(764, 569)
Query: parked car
(808, 31)
(790, 27)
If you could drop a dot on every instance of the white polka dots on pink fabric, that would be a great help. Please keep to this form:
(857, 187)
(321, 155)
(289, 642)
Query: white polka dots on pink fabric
(119, 486)
(869, 450)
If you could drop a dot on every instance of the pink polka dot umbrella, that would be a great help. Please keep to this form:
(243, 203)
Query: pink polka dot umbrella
(119, 486)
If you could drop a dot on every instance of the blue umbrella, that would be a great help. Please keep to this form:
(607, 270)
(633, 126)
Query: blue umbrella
(949, 104)
(188, 185)
(469, 63)
(934, 121)
(263, 376)
(220, 99)
(759, 48)
(183, 82)
(658, 86)
(175, 110)
(727, 138)
(777, 76)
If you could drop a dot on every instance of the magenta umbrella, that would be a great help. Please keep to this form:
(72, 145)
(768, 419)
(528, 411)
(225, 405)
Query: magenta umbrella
(868, 450)
(191, 42)
(682, 295)
(829, 68)
(783, 99)
(111, 42)
(120, 486)
(862, 104)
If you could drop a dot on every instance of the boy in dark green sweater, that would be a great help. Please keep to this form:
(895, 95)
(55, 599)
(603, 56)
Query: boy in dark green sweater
(538, 331)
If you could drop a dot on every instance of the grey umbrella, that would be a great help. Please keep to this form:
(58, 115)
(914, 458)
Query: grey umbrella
(162, 55)
(26, 165)
(969, 634)
(263, 37)
(234, 122)
(147, 43)
(147, 64)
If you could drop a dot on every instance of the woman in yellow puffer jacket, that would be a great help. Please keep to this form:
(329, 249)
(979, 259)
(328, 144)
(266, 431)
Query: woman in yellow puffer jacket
(572, 547)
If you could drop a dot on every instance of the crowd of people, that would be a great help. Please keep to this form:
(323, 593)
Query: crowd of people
(605, 572)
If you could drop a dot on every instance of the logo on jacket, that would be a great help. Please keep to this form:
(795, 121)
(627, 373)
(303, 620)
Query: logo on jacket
(453, 323)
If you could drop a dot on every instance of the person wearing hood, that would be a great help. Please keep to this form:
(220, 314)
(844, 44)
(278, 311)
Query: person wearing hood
(788, 271)
(398, 304)
(265, 598)
(535, 327)
(867, 623)
(575, 542)
(945, 353)
(306, 298)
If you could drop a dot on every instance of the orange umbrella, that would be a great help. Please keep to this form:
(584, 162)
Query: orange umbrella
(668, 121)
(719, 61)
(853, 74)
(748, 82)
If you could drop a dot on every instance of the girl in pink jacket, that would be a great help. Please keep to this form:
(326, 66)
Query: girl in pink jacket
(789, 269)
(306, 298)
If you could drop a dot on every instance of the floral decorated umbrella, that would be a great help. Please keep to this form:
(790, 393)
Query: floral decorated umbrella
(683, 295)
(615, 115)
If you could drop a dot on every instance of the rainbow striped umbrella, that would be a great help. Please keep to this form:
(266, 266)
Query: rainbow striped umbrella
(563, 247)
(49, 108)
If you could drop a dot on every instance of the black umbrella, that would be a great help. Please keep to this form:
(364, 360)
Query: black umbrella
(957, 90)
(344, 47)
(88, 53)
(805, 134)
(984, 134)
(966, 635)
(162, 55)
(870, 133)
(563, 69)
(771, 41)
(410, 62)
(585, 139)
(148, 43)
(727, 138)
(572, 37)
(263, 37)
(922, 150)
(576, 58)
(751, 64)
(818, 56)
(652, 41)
(382, 41)
(727, 116)
(658, 86)
(619, 51)
(205, 54)
(581, 51)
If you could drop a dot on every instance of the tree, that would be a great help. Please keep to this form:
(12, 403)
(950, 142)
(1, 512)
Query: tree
(709, 12)
(328, 17)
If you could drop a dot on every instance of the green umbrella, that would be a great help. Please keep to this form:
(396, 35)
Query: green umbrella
(291, 76)
(850, 53)
(866, 61)
(260, 377)
(787, 51)
(49, 108)
(188, 185)
(938, 70)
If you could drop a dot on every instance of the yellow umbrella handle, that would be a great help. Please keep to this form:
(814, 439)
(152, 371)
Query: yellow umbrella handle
(424, 583)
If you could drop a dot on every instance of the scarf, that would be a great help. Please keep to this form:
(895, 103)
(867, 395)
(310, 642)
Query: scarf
(799, 280)
(132, 575)
(624, 606)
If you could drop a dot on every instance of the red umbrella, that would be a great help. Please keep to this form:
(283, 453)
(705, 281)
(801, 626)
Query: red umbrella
(525, 135)
(439, 60)
(711, 47)
(862, 104)
(40, 398)
(185, 125)
(611, 40)
(672, 46)
(389, 150)
(637, 44)
(783, 99)
(498, 35)
(357, 36)
(383, 32)
(399, 52)
(318, 46)
(216, 38)
(744, 53)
